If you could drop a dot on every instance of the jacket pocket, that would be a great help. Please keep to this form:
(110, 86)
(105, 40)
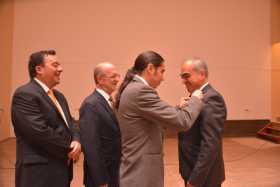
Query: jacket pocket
(34, 159)
(152, 171)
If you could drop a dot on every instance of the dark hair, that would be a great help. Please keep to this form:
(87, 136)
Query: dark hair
(140, 64)
(37, 59)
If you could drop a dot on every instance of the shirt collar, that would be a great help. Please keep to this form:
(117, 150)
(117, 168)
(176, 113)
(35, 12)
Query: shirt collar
(103, 93)
(203, 86)
(142, 79)
(43, 85)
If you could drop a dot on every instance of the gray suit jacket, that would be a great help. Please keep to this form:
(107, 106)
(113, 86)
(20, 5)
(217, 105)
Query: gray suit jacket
(142, 116)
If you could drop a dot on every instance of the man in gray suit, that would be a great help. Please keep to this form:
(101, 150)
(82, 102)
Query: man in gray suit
(200, 148)
(142, 116)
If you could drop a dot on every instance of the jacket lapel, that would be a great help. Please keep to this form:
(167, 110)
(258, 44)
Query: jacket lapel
(206, 88)
(48, 99)
(64, 108)
(107, 107)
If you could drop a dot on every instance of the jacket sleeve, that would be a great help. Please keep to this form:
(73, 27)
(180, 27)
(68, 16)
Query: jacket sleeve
(90, 126)
(214, 115)
(32, 125)
(153, 108)
(74, 128)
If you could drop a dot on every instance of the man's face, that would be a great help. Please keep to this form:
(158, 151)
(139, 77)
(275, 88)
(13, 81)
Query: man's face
(109, 80)
(156, 75)
(192, 79)
(49, 72)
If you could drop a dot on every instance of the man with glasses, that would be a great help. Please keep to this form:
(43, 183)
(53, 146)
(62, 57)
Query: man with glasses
(100, 133)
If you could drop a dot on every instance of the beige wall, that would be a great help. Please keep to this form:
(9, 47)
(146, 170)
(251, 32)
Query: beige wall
(275, 23)
(6, 36)
(275, 62)
(232, 35)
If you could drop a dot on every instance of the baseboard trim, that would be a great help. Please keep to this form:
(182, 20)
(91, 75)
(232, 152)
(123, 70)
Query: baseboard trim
(6, 139)
(239, 128)
(233, 128)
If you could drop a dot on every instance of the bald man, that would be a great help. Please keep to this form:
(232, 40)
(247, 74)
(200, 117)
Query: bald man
(201, 160)
(100, 133)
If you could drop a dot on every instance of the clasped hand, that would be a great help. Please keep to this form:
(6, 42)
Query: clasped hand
(75, 151)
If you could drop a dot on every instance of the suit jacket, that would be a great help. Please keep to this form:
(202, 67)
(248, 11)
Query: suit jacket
(200, 148)
(42, 138)
(101, 142)
(142, 116)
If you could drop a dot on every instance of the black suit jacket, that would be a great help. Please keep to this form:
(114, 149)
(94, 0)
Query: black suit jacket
(42, 138)
(101, 142)
(200, 149)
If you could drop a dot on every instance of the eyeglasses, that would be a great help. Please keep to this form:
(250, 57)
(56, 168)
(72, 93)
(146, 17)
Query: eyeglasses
(185, 75)
(114, 76)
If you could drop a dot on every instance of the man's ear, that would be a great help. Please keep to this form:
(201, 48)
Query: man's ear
(99, 79)
(150, 68)
(202, 75)
(38, 70)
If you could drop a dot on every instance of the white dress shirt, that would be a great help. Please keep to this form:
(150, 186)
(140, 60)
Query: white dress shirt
(203, 86)
(142, 79)
(105, 95)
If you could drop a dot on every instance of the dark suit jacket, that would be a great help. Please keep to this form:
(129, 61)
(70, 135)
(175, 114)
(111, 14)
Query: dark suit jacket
(200, 148)
(101, 142)
(42, 137)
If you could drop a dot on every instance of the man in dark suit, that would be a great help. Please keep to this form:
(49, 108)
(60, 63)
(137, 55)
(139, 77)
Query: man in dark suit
(47, 141)
(100, 133)
(200, 149)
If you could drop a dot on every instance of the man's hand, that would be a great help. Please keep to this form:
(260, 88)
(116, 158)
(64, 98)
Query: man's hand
(184, 101)
(75, 151)
(189, 185)
(198, 94)
(105, 185)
